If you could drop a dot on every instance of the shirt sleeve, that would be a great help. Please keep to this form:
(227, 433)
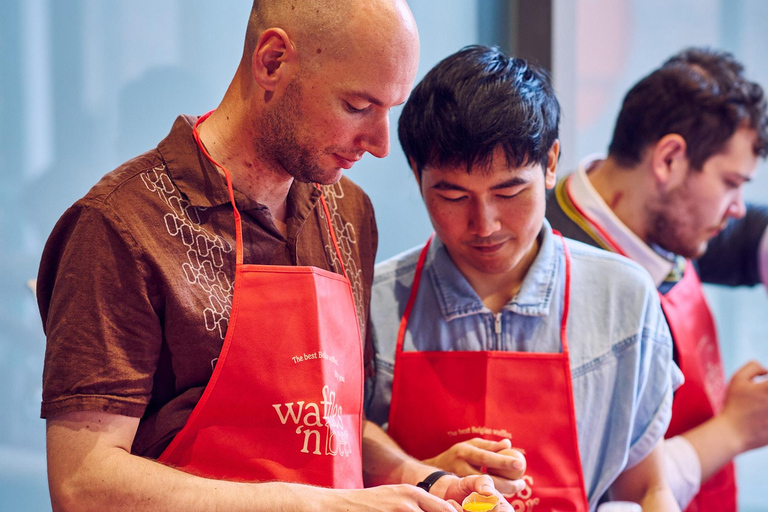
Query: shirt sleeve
(738, 256)
(103, 335)
(683, 469)
(658, 378)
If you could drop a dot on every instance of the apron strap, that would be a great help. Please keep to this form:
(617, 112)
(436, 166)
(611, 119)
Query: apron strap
(412, 296)
(330, 230)
(572, 208)
(238, 221)
(566, 292)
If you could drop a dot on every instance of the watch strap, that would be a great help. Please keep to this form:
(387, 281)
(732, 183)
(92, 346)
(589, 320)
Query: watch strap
(430, 480)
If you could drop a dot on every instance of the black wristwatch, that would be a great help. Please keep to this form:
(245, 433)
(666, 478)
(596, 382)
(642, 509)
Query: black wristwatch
(428, 482)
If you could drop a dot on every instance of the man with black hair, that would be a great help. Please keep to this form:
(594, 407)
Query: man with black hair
(499, 343)
(669, 196)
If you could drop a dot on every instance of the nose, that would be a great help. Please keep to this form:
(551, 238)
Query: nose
(737, 209)
(375, 140)
(485, 219)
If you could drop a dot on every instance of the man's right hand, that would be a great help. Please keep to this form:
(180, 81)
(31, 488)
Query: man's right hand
(503, 464)
(742, 424)
(409, 498)
(389, 498)
(746, 406)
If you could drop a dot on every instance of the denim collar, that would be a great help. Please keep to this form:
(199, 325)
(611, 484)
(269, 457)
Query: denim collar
(457, 298)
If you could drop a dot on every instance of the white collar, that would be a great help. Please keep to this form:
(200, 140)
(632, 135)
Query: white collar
(592, 205)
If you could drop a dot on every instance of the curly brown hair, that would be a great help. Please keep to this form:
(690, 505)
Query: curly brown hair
(700, 94)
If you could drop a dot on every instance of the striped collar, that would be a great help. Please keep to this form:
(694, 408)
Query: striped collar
(582, 203)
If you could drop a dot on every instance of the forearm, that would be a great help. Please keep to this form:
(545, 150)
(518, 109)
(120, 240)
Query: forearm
(659, 500)
(683, 469)
(130, 483)
(384, 462)
(715, 442)
(90, 467)
(645, 483)
(654, 497)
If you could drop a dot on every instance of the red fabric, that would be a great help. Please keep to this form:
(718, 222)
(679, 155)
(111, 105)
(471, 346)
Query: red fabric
(441, 398)
(703, 393)
(285, 399)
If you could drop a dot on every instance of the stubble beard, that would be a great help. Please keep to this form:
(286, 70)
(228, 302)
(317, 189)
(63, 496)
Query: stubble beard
(673, 225)
(280, 144)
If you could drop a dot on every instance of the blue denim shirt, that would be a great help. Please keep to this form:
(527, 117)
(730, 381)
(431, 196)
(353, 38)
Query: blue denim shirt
(620, 346)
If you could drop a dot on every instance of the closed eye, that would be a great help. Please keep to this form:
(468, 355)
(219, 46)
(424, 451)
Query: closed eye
(453, 198)
(352, 109)
(508, 194)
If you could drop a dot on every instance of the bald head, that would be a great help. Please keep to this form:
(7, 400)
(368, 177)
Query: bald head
(314, 89)
(331, 28)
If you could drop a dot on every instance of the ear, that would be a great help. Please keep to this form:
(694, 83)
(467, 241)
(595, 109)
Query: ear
(669, 161)
(550, 173)
(275, 59)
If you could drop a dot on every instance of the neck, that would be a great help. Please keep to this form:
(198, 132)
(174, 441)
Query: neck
(624, 190)
(496, 290)
(229, 135)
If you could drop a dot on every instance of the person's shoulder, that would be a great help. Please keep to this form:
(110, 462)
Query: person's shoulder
(392, 283)
(118, 182)
(398, 268)
(115, 197)
(612, 269)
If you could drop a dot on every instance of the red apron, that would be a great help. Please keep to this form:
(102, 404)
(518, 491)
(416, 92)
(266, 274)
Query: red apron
(693, 330)
(285, 398)
(703, 393)
(442, 398)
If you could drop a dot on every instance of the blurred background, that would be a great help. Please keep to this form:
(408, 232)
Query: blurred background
(87, 84)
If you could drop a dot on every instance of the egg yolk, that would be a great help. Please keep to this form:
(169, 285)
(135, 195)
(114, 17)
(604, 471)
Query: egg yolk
(477, 506)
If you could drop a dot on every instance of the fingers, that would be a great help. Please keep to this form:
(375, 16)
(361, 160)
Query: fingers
(482, 484)
(455, 505)
(508, 487)
(431, 503)
(435, 504)
(387, 498)
(485, 484)
(508, 463)
(749, 371)
(486, 444)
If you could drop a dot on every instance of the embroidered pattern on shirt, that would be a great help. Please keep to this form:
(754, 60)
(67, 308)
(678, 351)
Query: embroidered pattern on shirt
(205, 250)
(347, 239)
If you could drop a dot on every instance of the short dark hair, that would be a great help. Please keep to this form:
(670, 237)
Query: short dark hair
(700, 94)
(474, 101)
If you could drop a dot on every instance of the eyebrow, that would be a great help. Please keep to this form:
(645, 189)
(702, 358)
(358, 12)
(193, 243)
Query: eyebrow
(512, 182)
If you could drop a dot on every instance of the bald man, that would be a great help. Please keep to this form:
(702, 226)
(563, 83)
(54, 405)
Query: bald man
(205, 303)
